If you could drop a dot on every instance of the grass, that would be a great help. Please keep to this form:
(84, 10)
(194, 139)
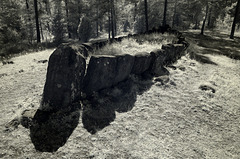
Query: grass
(141, 43)
(216, 43)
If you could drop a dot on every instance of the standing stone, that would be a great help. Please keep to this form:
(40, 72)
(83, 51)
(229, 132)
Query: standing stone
(65, 74)
(105, 71)
(157, 68)
(142, 63)
(124, 67)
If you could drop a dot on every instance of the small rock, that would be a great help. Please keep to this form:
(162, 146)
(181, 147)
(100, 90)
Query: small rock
(7, 62)
(172, 67)
(4, 74)
(173, 83)
(21, 71)
(207, 88)
(42, 61)
(162, 79)
(12, 125)
(26, 118)
(182, 68)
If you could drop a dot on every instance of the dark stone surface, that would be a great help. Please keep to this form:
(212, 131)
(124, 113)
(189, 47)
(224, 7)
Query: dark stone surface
(157, 68)
(106, 71)
(142, 63)
(66, 69)
(169, 52)
(50, 130)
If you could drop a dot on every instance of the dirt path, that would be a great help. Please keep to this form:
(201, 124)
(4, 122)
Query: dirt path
(174, 120)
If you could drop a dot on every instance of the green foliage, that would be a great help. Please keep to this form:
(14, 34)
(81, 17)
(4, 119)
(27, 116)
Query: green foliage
(11, 32)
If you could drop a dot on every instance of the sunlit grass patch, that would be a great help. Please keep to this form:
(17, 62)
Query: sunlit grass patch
(133, 45)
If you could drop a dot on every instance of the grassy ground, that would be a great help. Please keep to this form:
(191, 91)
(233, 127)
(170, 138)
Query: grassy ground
(142, 43)
(215, 42)
(193, 113)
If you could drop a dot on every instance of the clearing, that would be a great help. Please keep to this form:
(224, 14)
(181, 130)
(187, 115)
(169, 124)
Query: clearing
(194, 114)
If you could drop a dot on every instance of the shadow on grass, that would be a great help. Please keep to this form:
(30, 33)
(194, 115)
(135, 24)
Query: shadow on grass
(51, 130)
(201, 58)
(216, 43)
(99, 109)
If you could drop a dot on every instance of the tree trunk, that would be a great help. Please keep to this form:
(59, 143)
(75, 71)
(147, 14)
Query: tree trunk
(112, 19)
(67, 14)
(97, 23)
(135, 12)
(235, 20)
(41, 29)
(174, 14)
(165, 13)
(204, 21)
(27, 5)
(146, 14)
(37, 23)
(210, 18)
(109, 24)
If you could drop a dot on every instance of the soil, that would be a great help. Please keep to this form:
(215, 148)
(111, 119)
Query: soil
(174, 118)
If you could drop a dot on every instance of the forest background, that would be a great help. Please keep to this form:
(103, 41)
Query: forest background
(29, 25)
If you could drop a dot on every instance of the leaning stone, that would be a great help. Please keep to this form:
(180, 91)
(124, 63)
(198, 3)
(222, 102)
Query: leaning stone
(66, 69)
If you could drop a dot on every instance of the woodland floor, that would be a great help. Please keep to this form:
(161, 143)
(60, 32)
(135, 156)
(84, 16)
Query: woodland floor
(196, 114)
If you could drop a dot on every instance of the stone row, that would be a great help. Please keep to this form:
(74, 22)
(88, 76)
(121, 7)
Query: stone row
(68, 75)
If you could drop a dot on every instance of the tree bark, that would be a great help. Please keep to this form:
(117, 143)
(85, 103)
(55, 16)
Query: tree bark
(37, 22)
(67, 14)
(146, 14)
(109, 24)
(210, 18)
(97, 21)
(165, 13)
(174, 14)
(112, 19)
(235, 20)
(204, 21)
(41, 29)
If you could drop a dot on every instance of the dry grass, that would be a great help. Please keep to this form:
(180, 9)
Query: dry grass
(142, 43)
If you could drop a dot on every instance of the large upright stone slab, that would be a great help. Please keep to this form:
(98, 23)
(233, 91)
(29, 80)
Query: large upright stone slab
(66, 69)
(159, 57)
(170, 53)
(105, 71)
(142, 63)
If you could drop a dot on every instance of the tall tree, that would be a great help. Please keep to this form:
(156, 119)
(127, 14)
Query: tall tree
(235, 20)
(37, 21)
(112, 19)
(165, 13)
(205, 18)
(146, 13)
